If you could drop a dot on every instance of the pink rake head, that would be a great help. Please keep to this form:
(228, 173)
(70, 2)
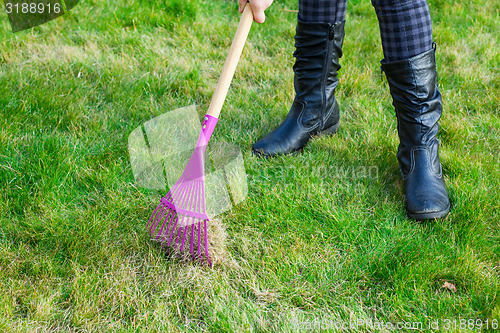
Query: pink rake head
(183, 209)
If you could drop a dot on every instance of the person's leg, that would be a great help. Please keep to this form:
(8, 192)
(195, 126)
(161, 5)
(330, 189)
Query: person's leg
(324, 11)
(405, 28)
(318, 42)
(410, 67)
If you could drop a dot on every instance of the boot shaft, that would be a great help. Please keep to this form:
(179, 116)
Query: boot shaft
(416, 98)
(318, 48)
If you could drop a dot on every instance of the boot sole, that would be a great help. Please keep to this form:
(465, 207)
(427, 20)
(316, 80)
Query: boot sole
(429, 216)
(326, 132)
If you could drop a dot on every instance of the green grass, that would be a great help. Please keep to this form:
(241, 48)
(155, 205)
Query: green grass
(306, 244)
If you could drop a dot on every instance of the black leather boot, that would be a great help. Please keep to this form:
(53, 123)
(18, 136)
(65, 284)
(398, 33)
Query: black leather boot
(314, 110)
(417, 100)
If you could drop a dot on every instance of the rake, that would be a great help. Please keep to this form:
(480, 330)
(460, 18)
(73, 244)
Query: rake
(182, 212)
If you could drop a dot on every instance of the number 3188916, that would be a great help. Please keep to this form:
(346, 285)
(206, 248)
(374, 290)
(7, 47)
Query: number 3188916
(33, 8)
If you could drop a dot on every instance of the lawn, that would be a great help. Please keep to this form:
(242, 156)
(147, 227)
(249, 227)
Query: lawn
(322, 235)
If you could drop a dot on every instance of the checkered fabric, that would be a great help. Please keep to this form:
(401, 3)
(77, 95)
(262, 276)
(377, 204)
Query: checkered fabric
(324, 11)
(405, 25)
(405, 28)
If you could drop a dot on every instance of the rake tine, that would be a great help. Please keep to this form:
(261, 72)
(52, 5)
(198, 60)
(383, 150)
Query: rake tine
(183, 203)
(184, 225)
(200, 209)
(179, 231)
(191, 202)
(184, 236)
(199, 241)
(157, 220)
(173, 229)
(153, 215)
(205, 225)
(206, 244)
(182, 200)
(181, 192)
(192, 240)
(172, 214)
(164, 222)
(197, 208)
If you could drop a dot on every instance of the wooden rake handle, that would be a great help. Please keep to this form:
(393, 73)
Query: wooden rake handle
(232, 59)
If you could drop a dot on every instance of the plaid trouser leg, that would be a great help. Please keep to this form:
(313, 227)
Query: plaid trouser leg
(324, 11)
(405, 28)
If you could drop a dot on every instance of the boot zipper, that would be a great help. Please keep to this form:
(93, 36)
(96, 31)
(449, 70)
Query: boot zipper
(331, 35)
